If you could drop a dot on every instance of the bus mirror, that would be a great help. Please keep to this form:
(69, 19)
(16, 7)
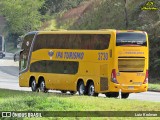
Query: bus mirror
(16, 57)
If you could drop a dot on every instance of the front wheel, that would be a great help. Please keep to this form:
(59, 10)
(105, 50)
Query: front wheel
(125, 95)
(81, 88)
(34, 87)
(43, 87)
(91, 90)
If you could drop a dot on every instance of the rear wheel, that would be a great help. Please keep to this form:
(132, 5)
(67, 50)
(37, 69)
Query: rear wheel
(63, 91)
(91, 90)
(81, 88)
(112, 94)
(125, 95)
(73, 92)
(43, 87)
(34, 87)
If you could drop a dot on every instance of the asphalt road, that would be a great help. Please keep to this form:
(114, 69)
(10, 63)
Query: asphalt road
(9, 73)
(9, 80)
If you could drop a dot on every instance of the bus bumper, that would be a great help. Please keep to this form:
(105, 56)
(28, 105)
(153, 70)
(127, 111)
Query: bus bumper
(128, 88)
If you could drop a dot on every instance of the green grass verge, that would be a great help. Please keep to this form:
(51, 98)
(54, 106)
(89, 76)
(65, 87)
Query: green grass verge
(153, 86)
(29, 101)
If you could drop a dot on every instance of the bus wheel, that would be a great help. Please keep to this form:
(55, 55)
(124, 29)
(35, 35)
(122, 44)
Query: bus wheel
(73, 92)
(108, 95)
(34, 86)
(43, 87)
(63, 91)
(91, 90)
(81, 88)
(112, 94)
(125, 95)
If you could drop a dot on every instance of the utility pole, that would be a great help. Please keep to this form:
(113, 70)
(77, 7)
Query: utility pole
(126, 15)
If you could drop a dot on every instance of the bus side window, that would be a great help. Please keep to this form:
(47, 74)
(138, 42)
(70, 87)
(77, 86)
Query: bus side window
(87, 41)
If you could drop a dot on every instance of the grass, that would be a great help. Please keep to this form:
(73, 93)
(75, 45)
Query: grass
(29, 101)
(154, 86)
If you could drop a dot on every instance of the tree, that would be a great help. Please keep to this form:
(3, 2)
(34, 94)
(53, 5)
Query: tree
(55, 6)
(126, 14)
(21, 15)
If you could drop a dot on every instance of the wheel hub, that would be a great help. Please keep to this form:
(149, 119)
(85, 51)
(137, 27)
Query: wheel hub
(81, 89)
(91, 90)
(42, 86)
(33, 84)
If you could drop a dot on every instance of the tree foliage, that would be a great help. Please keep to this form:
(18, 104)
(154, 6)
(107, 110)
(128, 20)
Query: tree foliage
(109, 14)
(55, 6)
(21, 15)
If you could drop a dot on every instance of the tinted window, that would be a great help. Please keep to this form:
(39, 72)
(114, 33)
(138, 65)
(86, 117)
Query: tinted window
(59, 67)
(39, 66)
(25, 53)
(128, 39)
(72, 41)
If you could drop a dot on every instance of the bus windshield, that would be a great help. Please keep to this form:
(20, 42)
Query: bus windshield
(131, 39)
(25, 51)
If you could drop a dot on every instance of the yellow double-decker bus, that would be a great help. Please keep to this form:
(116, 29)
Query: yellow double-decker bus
(87, 61)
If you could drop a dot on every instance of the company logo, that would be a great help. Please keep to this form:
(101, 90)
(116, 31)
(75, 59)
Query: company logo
(149, 6)
(6, 114)
(50, 53)
(21, 114)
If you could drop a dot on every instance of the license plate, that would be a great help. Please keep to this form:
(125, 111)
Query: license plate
(130, 87)
(137, 83)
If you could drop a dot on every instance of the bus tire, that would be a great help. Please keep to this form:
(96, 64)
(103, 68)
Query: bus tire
(63, 91)
(73, 92)
(81, 88)
(42, 87)
(91, 90)
(34, 87)
(125, 95)
(112, 94)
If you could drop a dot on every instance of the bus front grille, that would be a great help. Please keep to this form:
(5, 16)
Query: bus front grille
(131, 65)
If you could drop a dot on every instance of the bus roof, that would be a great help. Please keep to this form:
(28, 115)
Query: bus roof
(101, 31)
(137, 31)
(73, 32)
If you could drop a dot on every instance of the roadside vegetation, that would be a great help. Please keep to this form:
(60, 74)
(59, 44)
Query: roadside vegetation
(11, 100)
(154, 87)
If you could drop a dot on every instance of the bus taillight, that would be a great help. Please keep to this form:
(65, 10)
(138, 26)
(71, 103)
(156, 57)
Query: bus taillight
(146, 78)
(113, 75)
